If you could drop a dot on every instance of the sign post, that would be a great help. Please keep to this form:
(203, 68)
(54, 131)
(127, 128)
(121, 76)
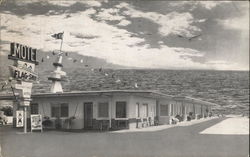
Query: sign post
(23, 70)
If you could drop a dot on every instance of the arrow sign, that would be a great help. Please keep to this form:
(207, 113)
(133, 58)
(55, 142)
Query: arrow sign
(24, 89)
(23, 85)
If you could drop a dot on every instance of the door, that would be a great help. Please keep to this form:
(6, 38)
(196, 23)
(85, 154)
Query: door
(88, 115)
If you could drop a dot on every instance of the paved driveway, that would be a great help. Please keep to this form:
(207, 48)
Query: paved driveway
(180, 141)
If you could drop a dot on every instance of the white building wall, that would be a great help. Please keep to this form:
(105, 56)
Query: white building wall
(76, 107)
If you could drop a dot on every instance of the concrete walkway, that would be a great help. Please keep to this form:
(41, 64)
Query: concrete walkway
(230, 126)
(163, 127)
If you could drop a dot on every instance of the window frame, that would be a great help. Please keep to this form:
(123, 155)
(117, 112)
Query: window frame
(67, 113)
(32, 109)
(145, 110)
(172, 110)
(167, 110)
(59, 106)
(124, 108)
(137, 110)
(98, 109)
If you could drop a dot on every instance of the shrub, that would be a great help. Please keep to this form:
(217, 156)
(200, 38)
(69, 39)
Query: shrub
(199, 116)
(47, 123)
(179, 118)
(58, 124)
(8, 110)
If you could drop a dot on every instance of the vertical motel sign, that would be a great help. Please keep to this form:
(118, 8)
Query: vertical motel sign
(23, 70)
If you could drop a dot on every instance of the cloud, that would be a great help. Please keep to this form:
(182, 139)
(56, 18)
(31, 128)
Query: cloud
(124, 23)
(122, 5)
(201, 20)
(238, 23)
(62, 3)
(84, 36)
(110, 14)
(65, 3)
(225, 65)
(171, 23)
(208, 4)
(92, 3)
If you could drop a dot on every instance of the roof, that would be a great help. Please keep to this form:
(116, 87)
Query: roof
(145, 93)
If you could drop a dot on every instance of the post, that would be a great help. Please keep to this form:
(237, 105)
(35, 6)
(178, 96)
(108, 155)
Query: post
(170, 113)
(110, 112)
(61, 46)
(25, 120)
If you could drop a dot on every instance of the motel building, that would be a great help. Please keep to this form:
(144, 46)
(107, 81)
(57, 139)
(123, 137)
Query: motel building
(113, 109)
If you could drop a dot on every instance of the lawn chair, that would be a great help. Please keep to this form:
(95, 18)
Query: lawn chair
(104, 125)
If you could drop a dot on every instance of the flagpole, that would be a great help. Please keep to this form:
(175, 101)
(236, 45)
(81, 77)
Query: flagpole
(57, 76)
(61, 45)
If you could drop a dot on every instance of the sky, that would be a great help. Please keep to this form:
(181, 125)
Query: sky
(139, 34)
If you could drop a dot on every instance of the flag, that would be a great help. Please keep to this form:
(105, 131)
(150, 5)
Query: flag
(58, 35)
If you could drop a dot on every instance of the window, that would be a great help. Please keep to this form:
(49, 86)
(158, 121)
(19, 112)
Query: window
(120, 109)
(164, 110)
(55, 110)
(103, 109)
(144, 110)
(137, 110)
(154, 110)
(59, 110)
(64, 110)
(183, 109)
(34, 108)
(172, 109)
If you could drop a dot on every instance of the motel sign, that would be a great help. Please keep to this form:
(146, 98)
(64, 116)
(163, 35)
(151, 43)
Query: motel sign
(23, 70)
(22, 52)
(25, 61)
